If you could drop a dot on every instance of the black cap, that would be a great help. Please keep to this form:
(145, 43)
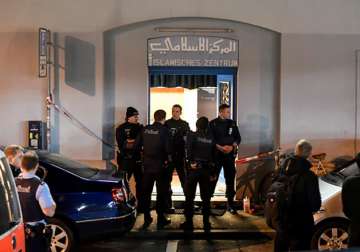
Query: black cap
(130, 111)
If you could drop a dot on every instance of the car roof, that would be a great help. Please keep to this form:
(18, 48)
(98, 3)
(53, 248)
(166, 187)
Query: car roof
(67, 164)
(45, 154)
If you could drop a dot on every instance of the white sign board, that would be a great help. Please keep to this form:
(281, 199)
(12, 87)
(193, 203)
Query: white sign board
(43, 55)
(199, 51)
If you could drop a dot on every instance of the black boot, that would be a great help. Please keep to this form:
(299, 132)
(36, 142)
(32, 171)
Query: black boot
(162, 221)
(147, 221)
(231, 207)
(188, 225)
(206, 223)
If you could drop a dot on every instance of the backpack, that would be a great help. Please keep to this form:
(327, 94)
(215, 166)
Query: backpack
(278, 200)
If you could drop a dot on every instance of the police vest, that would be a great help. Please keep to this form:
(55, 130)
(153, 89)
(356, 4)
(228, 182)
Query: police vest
(30, 207)
(203, 147)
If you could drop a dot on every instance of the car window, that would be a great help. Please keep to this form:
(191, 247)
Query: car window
(337, 178)
(72, 166)
(10, 213)
(350, 170)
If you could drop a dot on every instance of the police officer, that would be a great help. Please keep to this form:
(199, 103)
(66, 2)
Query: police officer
(200, 149)
(36, 203)
(128, 158)
(227, 138)
(14, 154)
(178, 129)
(154, 140)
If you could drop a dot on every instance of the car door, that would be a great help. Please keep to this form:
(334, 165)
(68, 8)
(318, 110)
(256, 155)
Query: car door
(11, 226)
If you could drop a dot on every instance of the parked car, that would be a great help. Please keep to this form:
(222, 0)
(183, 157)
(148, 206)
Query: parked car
(90, 202)
(331, 230)
(12, 237)
(331, 225)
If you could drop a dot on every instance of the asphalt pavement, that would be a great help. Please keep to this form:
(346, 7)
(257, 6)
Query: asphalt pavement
(241, 232)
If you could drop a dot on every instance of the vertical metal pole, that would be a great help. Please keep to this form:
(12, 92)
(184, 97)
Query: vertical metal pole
(48, 106)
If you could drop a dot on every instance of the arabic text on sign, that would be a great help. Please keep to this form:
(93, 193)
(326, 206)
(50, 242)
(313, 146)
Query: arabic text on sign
(201, 44)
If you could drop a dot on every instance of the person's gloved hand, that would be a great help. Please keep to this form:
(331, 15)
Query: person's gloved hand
(213, 178)
(193, 165)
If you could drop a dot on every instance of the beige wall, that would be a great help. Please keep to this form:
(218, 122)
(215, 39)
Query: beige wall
(318, 91)
(317, 67)
(257, 76)
(22, 96)
(73, 141)
(22, 93)
(285, 16)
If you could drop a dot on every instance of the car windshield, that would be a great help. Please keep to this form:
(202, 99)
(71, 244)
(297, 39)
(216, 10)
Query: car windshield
(10, 209)
(72, 166)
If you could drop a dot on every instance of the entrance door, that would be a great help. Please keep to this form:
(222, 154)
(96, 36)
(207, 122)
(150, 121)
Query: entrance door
(199, 94)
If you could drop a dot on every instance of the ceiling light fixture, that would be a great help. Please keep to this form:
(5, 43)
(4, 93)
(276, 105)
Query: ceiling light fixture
(194, 29)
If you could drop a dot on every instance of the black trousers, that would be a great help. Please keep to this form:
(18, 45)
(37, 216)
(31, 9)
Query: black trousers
(133, 167)
(226, 161)
(177, 163)
(354, 235)
(36, 244)
(36, 241)
(199, 176)
(293, 241)
(154, 176)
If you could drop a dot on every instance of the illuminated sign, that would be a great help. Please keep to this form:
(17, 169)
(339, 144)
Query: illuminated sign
(43, 54)
(193, 51)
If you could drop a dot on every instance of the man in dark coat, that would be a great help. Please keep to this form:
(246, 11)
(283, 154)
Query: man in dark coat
(227, 139)
(305, 201)
(178, 129)
(128, 158)
(351, 205)
(200, 149)
(154, 141)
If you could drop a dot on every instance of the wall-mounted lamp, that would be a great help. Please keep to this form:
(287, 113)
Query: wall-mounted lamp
(194, 29)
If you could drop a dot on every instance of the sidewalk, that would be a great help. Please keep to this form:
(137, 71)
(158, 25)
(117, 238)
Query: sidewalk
(241, 226)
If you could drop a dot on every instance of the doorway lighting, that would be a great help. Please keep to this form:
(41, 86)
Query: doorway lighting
(194, 29)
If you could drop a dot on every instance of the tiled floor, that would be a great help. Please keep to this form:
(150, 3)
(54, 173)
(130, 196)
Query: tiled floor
(178, 194)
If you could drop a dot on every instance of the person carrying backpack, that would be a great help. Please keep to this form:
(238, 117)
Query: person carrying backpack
(351, 205)
(291, 201)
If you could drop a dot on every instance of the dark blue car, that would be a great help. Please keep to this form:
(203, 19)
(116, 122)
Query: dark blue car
(90, 202)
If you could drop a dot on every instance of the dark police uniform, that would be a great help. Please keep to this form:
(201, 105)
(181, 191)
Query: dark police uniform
(155, 142)
(200, 149)
(225, 132)
(15, 170)
(178, 130)
(32, 191)
(129, 158)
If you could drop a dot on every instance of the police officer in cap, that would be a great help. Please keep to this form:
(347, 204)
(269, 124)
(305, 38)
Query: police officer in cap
(36, 203)
(154, 141)
(14, 154)
(129, 158)
(178, 129)
(227, 138)
(200, 149)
